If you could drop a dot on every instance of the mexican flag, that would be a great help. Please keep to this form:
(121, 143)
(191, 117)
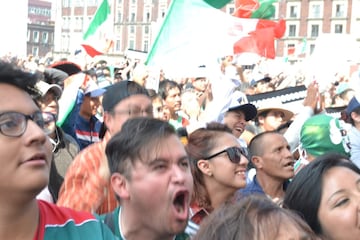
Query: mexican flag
(195, 32)
(97, 39)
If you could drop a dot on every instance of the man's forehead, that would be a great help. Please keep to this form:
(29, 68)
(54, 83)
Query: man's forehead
(137, 99)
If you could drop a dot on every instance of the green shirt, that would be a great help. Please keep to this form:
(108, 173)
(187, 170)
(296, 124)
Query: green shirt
(112, 221)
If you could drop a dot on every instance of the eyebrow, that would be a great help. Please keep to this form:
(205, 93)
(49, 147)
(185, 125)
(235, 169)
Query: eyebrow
(340, 191)
(162, 159)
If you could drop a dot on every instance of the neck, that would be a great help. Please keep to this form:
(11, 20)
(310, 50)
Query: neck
(133, 227)
(18, 221)
(174, 115)
(218, 194)
(84, 115)
(271, 186)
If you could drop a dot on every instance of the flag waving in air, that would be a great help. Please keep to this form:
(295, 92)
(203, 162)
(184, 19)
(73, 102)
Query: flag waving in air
(97, 39)
(195, 31)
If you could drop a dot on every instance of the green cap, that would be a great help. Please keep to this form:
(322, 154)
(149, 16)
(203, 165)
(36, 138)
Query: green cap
(322, 134)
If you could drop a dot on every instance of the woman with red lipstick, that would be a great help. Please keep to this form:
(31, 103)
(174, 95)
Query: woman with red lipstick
(218, 165)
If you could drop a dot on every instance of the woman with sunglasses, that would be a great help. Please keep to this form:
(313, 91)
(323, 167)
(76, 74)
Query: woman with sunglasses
(218, 165)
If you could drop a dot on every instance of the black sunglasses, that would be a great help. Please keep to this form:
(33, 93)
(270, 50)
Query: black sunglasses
(234, 154)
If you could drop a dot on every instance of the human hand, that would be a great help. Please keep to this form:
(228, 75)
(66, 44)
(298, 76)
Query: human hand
(312, 96)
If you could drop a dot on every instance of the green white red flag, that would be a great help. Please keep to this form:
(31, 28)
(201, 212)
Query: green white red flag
(97, 39)
(195, 31)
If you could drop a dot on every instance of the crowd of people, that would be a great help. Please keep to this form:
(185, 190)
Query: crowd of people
(97, 154)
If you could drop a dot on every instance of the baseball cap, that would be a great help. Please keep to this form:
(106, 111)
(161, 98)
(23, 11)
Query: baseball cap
(323, 133)
(342, 87)
(248, 109)
(353, 104)
(119, 91)
(44, 87)
(93, 90)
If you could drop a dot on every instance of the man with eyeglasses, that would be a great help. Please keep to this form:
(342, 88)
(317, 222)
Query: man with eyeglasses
(25, 152)
(87, 183)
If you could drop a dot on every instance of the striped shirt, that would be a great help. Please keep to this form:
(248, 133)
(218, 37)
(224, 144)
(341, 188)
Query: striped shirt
(63, 223)
(87, 185)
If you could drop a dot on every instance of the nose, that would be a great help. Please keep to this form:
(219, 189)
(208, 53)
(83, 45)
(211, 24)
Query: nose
(288, 153)
(178, 175)
(244, 161)
(35, 133)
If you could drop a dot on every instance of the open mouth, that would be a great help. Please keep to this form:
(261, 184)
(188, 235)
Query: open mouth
(181, 202)
(239, 129)
(289, 164)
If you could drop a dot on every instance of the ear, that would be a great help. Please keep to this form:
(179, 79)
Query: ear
(205, 167)
(120, 185)
(261, 120)
(107, 119)
(257, 161)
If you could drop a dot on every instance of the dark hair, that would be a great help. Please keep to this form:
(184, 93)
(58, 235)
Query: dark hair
(304, 193)
(13, 75)
(165, 86)
(261, 114)
(256, 145)
(137, 136)
(200, 143)
(253, 217)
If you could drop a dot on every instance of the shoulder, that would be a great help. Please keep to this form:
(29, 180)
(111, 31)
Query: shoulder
(252, 187)
(65, 223)
(61, 215)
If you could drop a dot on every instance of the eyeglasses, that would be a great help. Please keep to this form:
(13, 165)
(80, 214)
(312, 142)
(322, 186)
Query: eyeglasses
(136, 111)
(234, 154)
(13, 124)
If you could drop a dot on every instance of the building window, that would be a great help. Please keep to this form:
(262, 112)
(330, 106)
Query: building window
(231, 10)
(131, 44)
(291, 49)
(35, 51)
(45, 37)
(146, 29)
(132, 17)
(338, 28)
(132, 29)
(340, 10)
(118, 46)
(312, 47)
(66, 3)
(162, 14)
(147, 17)
(146, 45)
(28, 35)
(293, 11)
(315, 11)
(314, 30)
(292, 30)
(119, 16)
(36, 36)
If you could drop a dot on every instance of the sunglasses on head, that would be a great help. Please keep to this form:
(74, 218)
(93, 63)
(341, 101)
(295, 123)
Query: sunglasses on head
(234, 154)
